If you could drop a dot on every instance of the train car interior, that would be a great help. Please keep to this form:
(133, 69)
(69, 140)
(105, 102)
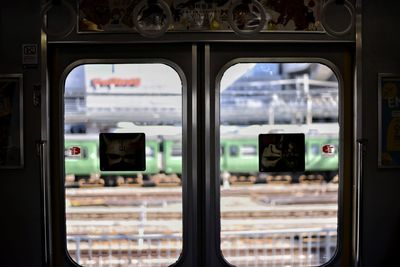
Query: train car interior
(199, 133)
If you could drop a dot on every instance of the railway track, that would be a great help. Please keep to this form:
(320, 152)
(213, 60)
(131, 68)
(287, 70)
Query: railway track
(175, 212)
(173, 180)
(268, 194)
(127, 227)
(135, 226)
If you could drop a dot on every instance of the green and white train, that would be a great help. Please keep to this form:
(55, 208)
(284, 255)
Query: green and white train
(238, 158)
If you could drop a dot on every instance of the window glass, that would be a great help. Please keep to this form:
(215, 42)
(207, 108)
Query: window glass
(149, 152)
(176, 150)
(315, 148)
(248, 150)
(233, 151)
(123, 218)
(279, 218)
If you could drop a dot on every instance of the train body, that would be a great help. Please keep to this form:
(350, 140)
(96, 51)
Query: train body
(238, 158)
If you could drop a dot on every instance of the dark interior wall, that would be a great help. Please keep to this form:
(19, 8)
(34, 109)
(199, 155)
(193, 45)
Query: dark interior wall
(20, 238)
(381, 197)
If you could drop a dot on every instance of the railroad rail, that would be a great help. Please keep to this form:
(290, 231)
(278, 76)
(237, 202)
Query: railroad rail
(111, 227)
(175, 212)
(269, 194)
(174, 181)
(128, 226)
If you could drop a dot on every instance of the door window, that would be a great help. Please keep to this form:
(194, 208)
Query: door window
(279, 218)
(123, 218)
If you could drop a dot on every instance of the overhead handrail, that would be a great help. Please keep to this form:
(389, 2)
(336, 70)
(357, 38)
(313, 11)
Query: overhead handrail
(66, 8)
(249, 14)
(347, 6)
(161, 23)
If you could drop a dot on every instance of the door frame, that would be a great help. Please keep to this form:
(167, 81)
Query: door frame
(201, 197)
(62, 59)
(338, 57)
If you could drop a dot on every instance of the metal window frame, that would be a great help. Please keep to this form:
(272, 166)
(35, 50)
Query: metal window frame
(214, 123)
(187, 159)
(193, 243)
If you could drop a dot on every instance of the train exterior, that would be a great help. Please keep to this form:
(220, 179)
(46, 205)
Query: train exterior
(238, 157)
(172, 157)
(85, 164)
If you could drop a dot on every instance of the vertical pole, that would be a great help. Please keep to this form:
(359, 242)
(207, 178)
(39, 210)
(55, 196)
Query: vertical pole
(306, 83)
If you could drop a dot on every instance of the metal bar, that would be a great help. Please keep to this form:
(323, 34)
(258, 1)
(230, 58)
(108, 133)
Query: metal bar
(41, 147)
(328, 246)
(309, 240)
(361, 147)
(318, 249)
(245, 253)
(109, 254)
(78, 251)
(358, 122)
(90, 252)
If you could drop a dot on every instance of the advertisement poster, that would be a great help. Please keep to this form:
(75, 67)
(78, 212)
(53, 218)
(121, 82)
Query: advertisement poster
(196, 15)
(11, 132)
(122, 152)
(389, 121)
(281, 152)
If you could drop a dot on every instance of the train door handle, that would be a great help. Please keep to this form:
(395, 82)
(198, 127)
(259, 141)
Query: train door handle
(361, 148)
(45, 201)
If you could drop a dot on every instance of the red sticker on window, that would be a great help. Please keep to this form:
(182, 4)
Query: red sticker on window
(75, 151)
(328, 150)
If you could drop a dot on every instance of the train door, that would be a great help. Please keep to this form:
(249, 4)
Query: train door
(122, 89)
(271, 216)
(221, 214)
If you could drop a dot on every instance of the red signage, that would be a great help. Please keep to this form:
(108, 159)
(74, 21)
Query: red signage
(75, 151)
(115, 82)
(328, 150)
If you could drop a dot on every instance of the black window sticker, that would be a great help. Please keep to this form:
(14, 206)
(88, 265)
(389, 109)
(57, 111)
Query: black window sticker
(281, 152)
(122, 152)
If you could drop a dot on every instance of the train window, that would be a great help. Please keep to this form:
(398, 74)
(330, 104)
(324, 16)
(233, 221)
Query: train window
(176, 150)
(123, 218)
(279, 219)
(149, 152)
(248, 150)
(234, 151)
(315, 149)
